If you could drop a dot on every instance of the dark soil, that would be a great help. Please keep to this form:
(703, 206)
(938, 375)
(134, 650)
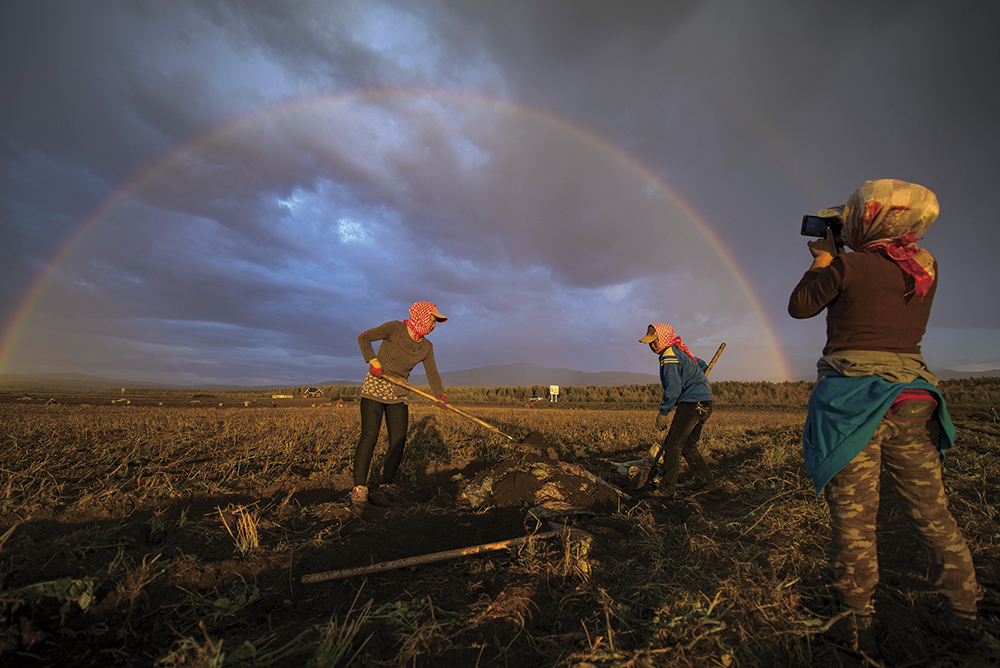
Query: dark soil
(177, 553)
(166, 582)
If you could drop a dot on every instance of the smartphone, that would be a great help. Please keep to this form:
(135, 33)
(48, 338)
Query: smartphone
(814, 226)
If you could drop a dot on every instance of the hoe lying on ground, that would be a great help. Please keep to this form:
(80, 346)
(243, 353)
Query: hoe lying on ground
(568, 532)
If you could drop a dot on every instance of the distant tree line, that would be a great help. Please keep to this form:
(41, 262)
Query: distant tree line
(971, 392)
(968, 392)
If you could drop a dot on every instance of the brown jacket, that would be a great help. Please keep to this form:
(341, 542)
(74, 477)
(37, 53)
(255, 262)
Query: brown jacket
(866, 310)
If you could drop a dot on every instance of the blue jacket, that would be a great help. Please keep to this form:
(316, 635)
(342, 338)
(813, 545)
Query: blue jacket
(844, 413)
(683, 380)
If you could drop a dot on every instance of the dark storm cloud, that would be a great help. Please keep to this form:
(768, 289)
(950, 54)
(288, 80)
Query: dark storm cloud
(298, 172)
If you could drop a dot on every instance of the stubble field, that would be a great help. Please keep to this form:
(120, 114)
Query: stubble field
(146, 534)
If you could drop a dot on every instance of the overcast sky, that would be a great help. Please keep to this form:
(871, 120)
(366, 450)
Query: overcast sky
(231, 191)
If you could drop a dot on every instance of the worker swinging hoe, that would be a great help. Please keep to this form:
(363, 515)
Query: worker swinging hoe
(648, 465)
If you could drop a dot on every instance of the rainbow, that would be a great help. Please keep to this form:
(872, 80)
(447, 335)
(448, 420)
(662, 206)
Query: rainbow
(773, 144)
(29, 299)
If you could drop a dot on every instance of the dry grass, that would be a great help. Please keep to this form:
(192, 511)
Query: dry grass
(246, 520)
(191, 525)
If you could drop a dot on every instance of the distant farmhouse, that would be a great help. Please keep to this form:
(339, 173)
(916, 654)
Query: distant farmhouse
(313, 392)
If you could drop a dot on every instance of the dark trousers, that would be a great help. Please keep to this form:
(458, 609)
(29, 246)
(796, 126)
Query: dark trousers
(397, 417)
(682, 439)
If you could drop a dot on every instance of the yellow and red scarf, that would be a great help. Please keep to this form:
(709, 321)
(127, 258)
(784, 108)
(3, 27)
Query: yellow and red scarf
(888, 215)
(422, 317)
(666, 336)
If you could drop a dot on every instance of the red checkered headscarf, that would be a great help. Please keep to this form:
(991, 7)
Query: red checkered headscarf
(666, 337)
(888, 215)
(422, 318)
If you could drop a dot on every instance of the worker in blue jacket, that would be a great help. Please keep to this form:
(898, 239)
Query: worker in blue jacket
(685, 387)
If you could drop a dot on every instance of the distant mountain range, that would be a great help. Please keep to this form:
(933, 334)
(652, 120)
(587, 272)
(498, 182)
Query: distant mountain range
(507, 375)
(525, 374)
(79, 382)
(510, 375)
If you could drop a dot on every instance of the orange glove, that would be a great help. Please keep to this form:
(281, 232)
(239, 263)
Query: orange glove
(374, 370)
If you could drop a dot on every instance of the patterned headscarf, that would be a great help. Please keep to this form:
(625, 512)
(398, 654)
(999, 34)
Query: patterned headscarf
(422, 317)
(890, 214)
(666, 337)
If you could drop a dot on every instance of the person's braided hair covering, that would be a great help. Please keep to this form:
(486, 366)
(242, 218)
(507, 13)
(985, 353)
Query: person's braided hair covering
(666, 337)
(421, 319)
(890, 215)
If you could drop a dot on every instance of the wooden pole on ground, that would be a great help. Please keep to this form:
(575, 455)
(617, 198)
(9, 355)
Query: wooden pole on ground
(424, 558)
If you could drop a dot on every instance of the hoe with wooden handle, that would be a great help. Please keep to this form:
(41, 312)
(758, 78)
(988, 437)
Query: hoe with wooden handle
(639, 481)
(576, 534)
(446, 405)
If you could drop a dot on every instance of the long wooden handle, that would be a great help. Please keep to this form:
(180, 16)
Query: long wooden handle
(423, 558)
(446, 405)
(715, 359)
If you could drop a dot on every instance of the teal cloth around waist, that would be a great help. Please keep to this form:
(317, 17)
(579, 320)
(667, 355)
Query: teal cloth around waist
(844, 413)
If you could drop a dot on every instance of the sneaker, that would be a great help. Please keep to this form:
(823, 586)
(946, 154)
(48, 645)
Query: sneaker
(663, 493)
(359, 495)
(713, 492)
(389, 489)
(641, 477)
(855, 632)
(956, 625)
(378, 499)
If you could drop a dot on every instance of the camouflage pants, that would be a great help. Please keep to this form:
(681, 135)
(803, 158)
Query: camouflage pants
(682, 439)
(907, 449)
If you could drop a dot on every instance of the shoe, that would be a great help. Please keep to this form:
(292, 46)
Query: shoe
(379, 500)
(855, 632)
(663, 493)
(389, 489)
(641, 477)
(956, 625)
(713, 492)
(359, 495)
